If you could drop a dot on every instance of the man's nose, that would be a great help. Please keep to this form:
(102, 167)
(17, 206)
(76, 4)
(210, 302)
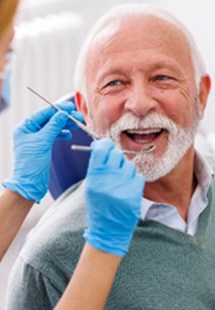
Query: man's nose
(140, 100)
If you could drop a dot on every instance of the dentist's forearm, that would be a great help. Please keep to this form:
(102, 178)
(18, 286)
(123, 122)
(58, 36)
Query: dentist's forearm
(91, 282)
(13, 210)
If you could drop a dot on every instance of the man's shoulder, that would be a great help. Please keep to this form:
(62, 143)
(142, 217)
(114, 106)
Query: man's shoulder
(58, 237)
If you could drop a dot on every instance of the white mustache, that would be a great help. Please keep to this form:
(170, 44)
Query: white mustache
(153, 120)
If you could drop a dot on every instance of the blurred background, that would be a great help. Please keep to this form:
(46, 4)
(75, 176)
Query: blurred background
(48, 37)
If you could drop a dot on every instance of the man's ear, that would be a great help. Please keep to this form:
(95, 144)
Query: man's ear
(81, 104)
(204, 90)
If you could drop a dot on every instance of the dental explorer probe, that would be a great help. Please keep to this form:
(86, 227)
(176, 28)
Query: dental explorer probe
(146, 149)
(79, 124)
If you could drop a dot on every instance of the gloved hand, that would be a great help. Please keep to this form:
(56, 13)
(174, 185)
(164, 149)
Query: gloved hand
(113, 198)
(33, 141)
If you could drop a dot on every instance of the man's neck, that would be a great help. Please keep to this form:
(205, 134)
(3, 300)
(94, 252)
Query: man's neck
(177, 187)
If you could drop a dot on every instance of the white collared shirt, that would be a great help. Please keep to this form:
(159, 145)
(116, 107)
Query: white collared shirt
(168, 214)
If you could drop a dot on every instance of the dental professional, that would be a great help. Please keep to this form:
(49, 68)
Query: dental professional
(33, 140)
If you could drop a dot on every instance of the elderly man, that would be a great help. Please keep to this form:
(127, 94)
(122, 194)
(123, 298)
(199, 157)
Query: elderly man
(141, 81)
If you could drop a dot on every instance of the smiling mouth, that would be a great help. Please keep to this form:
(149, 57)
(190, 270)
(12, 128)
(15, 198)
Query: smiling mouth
(144, 136)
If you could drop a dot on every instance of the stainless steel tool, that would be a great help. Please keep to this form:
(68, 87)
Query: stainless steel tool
(79, 124)
(146, 149)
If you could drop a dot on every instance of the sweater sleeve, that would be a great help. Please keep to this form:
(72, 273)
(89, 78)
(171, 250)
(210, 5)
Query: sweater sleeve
(29, 289)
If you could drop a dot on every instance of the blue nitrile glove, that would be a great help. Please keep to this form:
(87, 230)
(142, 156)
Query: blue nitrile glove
(33, 141)
(114, 191)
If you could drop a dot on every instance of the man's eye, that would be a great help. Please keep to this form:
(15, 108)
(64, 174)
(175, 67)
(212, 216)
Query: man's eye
(161, 78)
(114, 83)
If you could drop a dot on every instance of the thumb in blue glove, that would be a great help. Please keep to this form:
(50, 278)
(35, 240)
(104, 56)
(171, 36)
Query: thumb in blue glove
(114, 191)
(33, 141)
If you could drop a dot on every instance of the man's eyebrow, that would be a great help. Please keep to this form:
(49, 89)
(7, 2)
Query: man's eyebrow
(110, 71)
(166, 64)
(161, 64)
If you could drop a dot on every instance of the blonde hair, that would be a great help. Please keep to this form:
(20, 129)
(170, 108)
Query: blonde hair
(7, 12)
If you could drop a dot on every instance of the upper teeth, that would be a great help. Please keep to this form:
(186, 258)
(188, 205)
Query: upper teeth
(144, 132)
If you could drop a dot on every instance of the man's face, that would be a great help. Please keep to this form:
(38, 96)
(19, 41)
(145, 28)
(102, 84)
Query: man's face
(141, 90)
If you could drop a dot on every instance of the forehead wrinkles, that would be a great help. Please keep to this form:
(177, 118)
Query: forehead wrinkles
(140, 33)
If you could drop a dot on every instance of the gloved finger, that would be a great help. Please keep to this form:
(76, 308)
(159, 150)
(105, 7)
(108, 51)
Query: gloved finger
(78, 116)
(140, 179)
(137, 183)
(40, 118)
(66, 106)
(129, 168)
(53, 128)
(100, 152)
(115, 159)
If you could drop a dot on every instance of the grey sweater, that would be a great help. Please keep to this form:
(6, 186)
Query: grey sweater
(164, 269)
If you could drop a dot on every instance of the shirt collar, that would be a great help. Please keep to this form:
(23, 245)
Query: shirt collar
(204, 175)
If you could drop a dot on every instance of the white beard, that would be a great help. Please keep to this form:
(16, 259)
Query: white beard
(179, 141)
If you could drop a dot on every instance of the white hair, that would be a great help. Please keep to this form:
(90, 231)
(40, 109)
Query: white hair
(129, 11)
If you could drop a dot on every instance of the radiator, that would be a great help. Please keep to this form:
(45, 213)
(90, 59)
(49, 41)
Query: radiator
(46, 50)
